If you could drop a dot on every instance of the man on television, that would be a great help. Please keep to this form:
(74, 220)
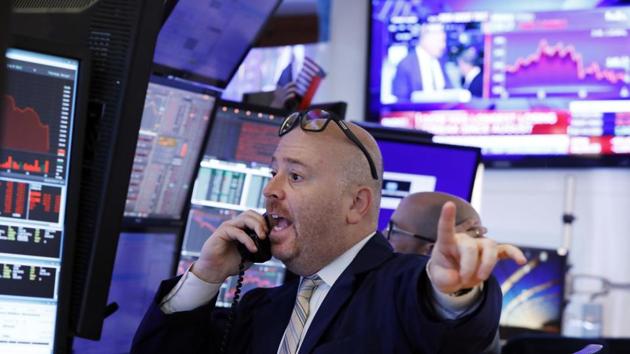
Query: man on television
(354, 295)
(469, 64)
(422, 69)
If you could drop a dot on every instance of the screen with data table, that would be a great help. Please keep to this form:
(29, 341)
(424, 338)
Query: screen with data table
(174, 125)
(36, 130)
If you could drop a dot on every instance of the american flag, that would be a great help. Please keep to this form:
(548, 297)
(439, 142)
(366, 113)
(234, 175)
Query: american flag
(308, 81)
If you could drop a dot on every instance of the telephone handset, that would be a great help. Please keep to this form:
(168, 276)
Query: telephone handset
(263, 245)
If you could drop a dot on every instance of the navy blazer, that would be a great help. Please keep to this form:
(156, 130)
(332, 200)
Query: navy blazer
(408, 77)
(378, 305)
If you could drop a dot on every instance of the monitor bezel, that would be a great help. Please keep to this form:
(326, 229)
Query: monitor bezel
(417, 137)
(212, 81)
(63, 326)
(518, 161)
(145, 224)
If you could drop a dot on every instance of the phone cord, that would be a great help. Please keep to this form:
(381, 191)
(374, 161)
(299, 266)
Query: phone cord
(237, 294)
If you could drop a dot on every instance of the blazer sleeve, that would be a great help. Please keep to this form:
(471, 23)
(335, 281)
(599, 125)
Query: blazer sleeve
(472, 333)
(180, 332)
(197, 331)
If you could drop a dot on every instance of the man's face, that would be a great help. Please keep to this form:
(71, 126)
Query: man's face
(305, 197)
(433, 41)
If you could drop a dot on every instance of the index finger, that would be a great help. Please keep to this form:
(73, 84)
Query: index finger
(511, 252)
(446, 225)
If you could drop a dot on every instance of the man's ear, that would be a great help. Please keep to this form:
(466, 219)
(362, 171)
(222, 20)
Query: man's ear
(362, 200)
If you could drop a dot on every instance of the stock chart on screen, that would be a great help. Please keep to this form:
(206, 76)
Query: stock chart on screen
(35, 140)
(549, 83)
(41, 152)
(171, 137)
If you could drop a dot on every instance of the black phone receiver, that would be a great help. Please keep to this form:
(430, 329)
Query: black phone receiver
(263, 245)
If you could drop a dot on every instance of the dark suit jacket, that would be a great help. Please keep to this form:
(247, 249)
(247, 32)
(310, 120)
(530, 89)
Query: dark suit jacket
(378, 305)
(476, 85)
(408, 77)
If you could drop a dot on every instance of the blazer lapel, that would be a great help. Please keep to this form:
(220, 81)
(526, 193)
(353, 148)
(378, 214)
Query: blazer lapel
(375, 252)
(272, 319)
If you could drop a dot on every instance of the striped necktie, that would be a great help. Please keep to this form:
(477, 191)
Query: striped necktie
(294, 330)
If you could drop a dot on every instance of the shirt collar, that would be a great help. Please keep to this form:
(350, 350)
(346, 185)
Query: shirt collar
(330, 273)
(471, 75)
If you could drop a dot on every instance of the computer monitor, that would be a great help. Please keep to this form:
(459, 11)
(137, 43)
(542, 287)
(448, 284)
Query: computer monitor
(207, 41)
(119, 37)
(533, 294)
(172, 134)
(40, 148)
(232, 174)
(412, 164)
(143, 260)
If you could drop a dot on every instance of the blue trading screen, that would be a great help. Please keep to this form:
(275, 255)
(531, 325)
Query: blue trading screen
(424, 167)
(143, 261)
(211, 52)
(171, 137)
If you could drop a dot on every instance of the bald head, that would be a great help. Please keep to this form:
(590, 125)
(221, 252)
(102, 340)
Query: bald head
(419, 213)
(353, 165)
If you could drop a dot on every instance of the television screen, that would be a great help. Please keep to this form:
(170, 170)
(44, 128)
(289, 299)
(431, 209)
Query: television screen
(414, 165)
(143, 260)
(38, 136)
(232, 174)
(172, 133)
(516, 84)
(533, 294)
(207, 41)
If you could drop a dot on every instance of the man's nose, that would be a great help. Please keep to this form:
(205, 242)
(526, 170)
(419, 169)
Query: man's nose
(274, 188)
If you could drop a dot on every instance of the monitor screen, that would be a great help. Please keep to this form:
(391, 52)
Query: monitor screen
(417, 166)
(143, 260)
(232, 174)
(36, 135)
(517, 84)
(174, 124)
(533, 294)
(207, 41)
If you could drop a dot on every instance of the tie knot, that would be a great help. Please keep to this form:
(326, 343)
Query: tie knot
(308, 285)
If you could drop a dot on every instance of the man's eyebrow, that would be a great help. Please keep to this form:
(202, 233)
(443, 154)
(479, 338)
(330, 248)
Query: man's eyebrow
(295, 162)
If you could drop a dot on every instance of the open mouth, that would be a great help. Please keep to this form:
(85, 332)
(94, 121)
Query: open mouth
(279, 223)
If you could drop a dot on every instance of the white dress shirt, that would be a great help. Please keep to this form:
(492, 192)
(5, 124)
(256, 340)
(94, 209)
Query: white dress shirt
(192, 292)
(430, 71)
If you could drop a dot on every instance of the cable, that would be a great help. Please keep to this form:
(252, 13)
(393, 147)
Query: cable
(237, 293)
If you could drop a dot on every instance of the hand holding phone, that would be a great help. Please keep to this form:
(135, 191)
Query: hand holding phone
(263, 245)
(220, 256)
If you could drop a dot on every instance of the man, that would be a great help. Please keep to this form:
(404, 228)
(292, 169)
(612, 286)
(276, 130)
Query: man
(412, 228)
(469, 65)
(355, 295)
(422, 68)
